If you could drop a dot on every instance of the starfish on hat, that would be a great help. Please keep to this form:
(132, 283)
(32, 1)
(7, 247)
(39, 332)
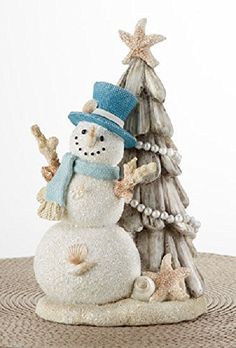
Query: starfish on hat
(168, 281)
(140, 43)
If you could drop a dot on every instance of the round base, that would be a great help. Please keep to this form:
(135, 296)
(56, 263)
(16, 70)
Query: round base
(126, 312)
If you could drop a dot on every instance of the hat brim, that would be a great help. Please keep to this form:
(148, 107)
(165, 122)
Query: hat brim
(76, 117)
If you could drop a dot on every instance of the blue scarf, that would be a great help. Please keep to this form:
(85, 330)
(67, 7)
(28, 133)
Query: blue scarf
(58, 186)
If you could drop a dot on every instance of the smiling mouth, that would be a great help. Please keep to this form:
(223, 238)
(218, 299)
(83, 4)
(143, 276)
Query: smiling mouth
(93, 153)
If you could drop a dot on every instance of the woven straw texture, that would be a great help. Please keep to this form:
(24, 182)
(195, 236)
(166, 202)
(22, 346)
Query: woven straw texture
(21, 328)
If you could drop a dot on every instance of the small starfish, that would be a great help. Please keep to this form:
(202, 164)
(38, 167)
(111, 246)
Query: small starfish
(168, 281)
(140, 43)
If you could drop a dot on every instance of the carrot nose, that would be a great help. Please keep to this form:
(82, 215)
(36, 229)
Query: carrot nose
(91, 137)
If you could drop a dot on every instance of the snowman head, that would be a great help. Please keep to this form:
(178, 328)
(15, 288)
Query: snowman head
(92, 142)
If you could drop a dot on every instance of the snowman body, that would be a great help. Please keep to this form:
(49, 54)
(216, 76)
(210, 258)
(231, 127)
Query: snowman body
(92, 213)
(116, 257)
(92, 203)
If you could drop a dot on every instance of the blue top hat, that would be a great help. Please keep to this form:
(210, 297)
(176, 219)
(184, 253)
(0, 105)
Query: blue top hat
(113, 107)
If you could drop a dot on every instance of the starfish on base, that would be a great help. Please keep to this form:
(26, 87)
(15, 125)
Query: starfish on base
(140, 43)
(168, 281)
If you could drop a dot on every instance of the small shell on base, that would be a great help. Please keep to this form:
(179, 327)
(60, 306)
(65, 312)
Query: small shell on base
(144, 288)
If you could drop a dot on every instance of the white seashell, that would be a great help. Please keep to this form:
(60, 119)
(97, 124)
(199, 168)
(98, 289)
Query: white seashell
(143, 288)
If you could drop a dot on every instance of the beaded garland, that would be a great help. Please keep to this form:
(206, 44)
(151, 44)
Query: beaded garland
(168, 218)
(157, 149)
(156, 214)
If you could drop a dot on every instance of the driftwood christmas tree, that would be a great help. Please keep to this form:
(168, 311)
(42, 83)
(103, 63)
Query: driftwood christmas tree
(156, 215)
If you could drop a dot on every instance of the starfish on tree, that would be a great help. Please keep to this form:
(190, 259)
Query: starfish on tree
(168, 281)
(140, 43)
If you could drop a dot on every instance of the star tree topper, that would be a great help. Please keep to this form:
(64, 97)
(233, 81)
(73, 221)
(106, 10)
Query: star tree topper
(140, 43)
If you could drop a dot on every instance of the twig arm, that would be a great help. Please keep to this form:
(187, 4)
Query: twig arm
(47, 148)
(132, 176)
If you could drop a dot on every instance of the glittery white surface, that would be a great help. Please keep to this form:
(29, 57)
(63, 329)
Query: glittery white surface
(92, 202)
(117, 258)
(125, 312)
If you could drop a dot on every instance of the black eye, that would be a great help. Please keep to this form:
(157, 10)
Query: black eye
(76, 137)
(84, 131)
(102, 138)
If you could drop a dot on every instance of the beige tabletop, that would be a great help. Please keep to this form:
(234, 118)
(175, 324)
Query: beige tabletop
(20, 327)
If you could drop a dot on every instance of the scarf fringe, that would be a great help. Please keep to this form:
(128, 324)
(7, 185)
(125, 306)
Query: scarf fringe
(49, 210)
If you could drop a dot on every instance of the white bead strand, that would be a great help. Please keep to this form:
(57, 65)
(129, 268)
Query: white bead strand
(140, 208)
(139, 145)
(134, 203)
(164, 215)
(178, 218)
(147, 146)
(156, 149)
(147, 211)
(156, 214)
(170, 219)
(163, 151)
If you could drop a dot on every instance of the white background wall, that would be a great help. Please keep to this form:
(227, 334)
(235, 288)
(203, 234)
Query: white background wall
(51, 52)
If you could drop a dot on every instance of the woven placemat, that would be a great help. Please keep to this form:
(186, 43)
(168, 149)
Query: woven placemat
(20, 327)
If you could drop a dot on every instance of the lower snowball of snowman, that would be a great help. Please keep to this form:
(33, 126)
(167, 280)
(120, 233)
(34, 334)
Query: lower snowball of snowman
(111, 248)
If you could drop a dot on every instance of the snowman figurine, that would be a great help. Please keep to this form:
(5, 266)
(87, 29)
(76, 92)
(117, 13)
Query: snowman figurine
(86, 258)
